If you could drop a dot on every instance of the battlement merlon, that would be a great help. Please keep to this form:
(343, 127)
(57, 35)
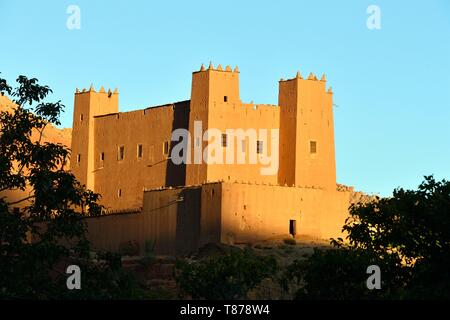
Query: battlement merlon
(312, 79)
(90, 103)
(92, 89)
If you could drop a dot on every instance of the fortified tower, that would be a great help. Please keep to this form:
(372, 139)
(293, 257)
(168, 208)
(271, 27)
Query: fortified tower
(211, 89)
(87, 105)
(307, 156)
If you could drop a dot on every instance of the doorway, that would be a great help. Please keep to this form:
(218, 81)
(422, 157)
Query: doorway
(293, 228)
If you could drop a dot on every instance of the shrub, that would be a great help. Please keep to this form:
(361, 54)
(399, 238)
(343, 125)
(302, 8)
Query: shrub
(129, 248)
(230, 276)
(406, 235)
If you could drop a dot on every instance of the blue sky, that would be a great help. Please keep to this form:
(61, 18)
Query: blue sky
(391, 86)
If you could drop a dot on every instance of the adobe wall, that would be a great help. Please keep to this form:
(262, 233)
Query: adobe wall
(180, 220)
(170, 220)
(225, 116)
(210, 214)
(174, 219)
(121, 182)
(87, 105)
(252, 212)
(215, 101)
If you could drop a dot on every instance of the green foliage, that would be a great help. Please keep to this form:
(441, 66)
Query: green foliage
(407, 236)
(129, 248)
(338, 274)
(230, 276)
(414, 224)
(47, 232)
(150, 246)
(149, 258)
(103, 279)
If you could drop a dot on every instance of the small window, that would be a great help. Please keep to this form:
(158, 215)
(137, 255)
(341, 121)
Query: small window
(312, 147)
(259, 146)
(78, 158)
(225, 98)
(139, 151)
(121, 153)
(81, 117)
(119, 193)
(102, 158)
(166, 148)
(224, 140)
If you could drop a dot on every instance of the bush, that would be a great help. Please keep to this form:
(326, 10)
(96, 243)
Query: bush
(230, 276)
(406, 235)
(337, 274)
(129, 248)
(149, 257)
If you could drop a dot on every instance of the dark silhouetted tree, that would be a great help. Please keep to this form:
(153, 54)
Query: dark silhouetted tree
(44, 230)
(406, 235)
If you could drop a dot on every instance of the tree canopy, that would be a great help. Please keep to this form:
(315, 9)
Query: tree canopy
(406, 235)
(43, 230)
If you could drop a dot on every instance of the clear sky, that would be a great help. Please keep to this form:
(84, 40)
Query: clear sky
(391, 86)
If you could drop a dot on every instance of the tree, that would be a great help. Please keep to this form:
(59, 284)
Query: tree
(406, 235)
(44, 230)
(230, 276)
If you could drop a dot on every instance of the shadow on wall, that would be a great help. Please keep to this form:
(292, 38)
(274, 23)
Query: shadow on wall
(176, 174)
(188, 221)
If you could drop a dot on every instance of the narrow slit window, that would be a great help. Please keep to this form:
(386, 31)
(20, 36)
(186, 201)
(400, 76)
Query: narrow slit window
(259, 146)
(166, 148)
(139, 151)
(78, 158)
(121, 153)
(224, 140)
(225, 98)
(102, 156)
(313, 147)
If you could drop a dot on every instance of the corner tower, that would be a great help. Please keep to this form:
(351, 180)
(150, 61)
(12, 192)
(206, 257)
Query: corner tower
(307, 156)
(87, 105)
(211, 89)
